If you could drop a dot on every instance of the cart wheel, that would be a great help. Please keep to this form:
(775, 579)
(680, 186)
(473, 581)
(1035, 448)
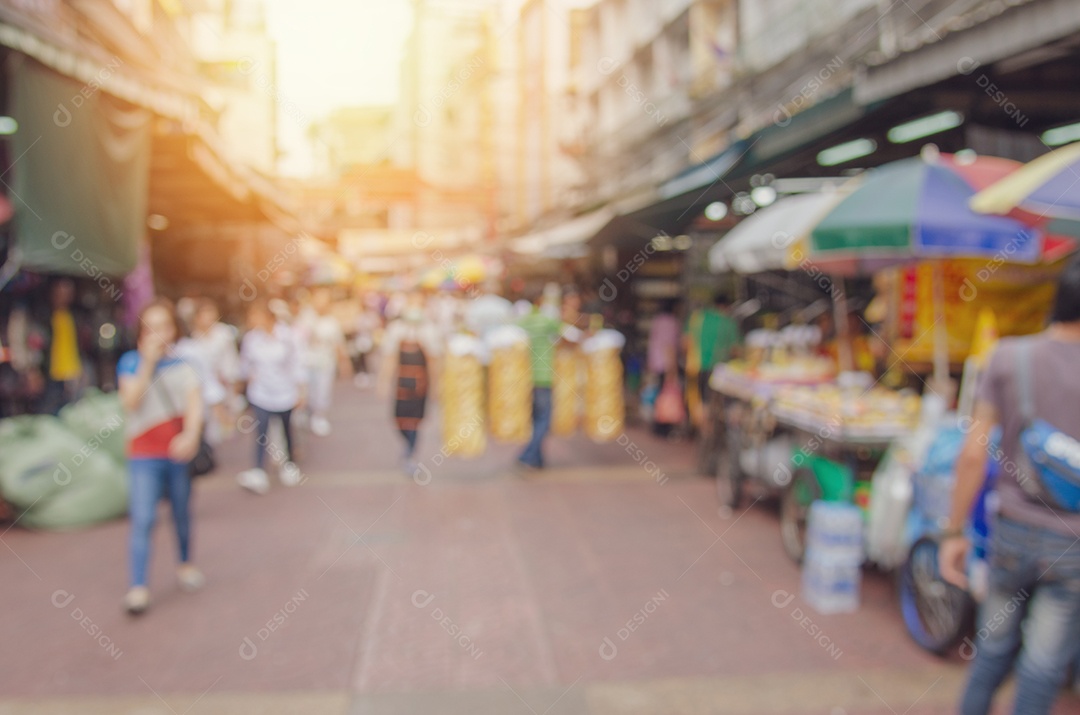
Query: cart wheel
(729, 476)
(794, 510)
(937, 614)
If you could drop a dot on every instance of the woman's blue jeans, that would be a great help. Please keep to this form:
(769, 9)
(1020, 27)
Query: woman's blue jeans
(1031, 617)
(151, 479)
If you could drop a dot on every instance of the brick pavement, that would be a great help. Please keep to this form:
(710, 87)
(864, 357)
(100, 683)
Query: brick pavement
(588, 589)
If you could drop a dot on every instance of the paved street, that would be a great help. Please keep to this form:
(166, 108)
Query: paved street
(591, 588)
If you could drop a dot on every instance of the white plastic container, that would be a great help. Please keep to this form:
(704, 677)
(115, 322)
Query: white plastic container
(830, 584)
(832, 564)
(835, 530)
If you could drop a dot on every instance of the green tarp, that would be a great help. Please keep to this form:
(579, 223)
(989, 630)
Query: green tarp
(81, 174)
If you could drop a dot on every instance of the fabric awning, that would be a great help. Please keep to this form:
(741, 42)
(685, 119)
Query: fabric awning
(705, 173)
(80, 186)
(560, 238)
(767, 239)
(105, 74)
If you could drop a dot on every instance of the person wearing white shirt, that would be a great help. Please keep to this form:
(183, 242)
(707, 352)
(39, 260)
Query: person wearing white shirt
(325, 341)
(272, 363)
(215, 343)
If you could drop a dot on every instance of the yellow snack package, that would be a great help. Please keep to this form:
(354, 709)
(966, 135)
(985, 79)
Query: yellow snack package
(462, 399)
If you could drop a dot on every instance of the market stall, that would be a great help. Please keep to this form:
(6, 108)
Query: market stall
(803, 427)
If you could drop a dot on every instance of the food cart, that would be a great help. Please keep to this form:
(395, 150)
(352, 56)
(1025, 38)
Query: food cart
(799, 432)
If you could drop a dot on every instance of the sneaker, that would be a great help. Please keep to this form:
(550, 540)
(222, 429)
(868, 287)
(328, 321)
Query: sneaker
(254, 480)
(137, 600)
(320, 426)
(190, 577)
(290, 474)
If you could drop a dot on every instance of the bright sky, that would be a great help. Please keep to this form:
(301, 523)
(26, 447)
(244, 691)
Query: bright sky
(333, 53)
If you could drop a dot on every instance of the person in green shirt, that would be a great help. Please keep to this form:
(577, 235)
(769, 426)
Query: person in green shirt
(711, 337)
(544, 331)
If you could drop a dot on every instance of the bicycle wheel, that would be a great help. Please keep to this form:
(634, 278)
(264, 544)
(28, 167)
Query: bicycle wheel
(795, 510)
(936, 614)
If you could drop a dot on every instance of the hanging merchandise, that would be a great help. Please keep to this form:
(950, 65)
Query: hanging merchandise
(604, 408)
(1019, 295)
(462, 396)
(510, 385)
(567, 389)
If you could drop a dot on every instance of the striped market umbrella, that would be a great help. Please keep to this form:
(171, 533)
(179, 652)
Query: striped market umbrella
(916, 209)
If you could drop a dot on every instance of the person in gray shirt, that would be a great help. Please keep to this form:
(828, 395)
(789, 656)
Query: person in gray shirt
(1031, 615)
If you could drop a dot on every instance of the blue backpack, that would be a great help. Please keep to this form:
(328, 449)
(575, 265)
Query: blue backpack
(1053, 476)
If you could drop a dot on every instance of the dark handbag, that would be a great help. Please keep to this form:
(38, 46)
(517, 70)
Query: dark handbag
(203, 462)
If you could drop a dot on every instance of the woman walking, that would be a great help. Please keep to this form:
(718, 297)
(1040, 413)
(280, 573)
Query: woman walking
(163, 410)
(410, 349)
(271, 361)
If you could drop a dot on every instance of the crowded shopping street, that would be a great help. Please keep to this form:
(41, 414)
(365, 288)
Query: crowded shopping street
(592, 588)
(563, 357)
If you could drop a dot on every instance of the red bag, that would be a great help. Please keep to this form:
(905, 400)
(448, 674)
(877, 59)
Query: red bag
(669, 409)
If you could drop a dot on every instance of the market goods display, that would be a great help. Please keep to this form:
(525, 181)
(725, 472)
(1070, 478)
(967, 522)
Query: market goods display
(604, 408)
(567, 390)
(803, 369)
(462, 398)
(510, 386)
(877, 412)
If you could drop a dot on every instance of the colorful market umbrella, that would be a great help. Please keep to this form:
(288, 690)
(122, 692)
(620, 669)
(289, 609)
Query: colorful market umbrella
(1045, 193)
(916, 209)
(1048, 187)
